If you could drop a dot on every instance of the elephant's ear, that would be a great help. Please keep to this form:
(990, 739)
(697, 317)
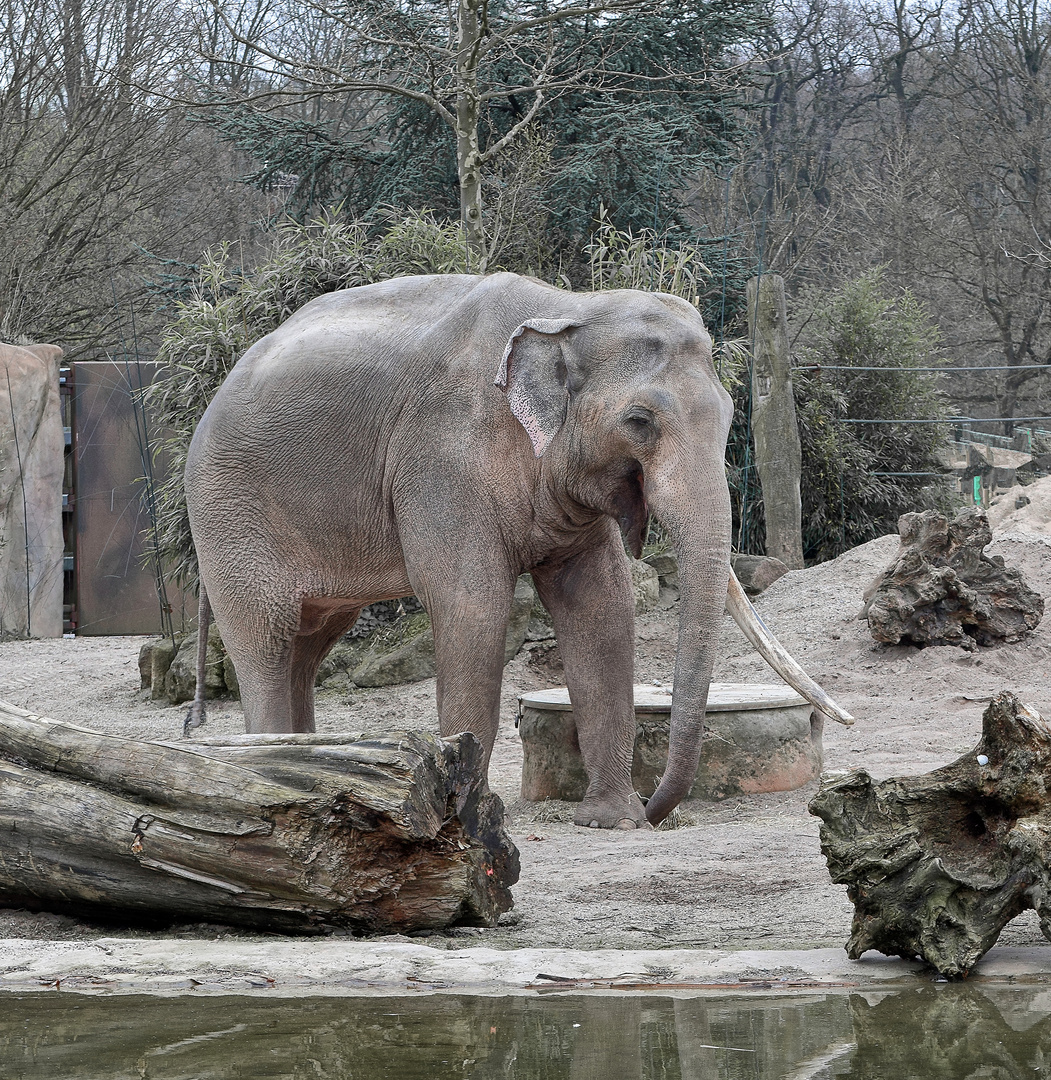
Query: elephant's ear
(533, 372)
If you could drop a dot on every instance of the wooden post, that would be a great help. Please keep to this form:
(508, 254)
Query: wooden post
(774, 431)
(296, 833)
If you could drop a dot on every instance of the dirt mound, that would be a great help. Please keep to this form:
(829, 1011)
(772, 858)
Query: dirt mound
(1023, 508)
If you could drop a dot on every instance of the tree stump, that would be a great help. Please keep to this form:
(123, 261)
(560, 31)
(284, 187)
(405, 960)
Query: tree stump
(942, 589)
(296, 833)
(937, 865)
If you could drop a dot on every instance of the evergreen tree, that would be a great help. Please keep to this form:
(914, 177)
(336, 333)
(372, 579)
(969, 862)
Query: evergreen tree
(632, 98)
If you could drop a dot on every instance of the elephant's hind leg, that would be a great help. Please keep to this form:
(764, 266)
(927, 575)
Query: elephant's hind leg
(321, 626)
(258, 638)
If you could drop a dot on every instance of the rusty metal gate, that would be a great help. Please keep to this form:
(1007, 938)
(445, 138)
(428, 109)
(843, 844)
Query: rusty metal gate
(113, 586)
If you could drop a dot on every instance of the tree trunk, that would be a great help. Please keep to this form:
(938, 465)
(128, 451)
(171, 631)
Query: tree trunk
(937, 865)
(297, 833)
(468, 113)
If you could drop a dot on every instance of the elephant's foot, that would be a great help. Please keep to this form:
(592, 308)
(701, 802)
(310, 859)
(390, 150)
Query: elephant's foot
(597, 812)
(195, 716)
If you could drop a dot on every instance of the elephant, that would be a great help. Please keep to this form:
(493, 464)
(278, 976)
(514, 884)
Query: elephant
(440, 435)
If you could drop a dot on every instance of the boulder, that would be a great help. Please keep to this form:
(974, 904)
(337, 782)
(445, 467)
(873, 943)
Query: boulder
(942, 589)
(646, 583)
(403, 651)
(233, 688)
(337, 669)
(521, 615)
(539, 627)
(155, 660)
(667, 567)
(161, 656)
(145, 664)
(397, 651)
(180, 680)
(757, 573)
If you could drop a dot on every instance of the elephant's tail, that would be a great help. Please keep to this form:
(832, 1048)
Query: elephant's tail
(197, 712)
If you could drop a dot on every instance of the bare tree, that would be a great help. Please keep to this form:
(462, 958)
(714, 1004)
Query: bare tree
(989, 149)
(95, 174)
(488, 72)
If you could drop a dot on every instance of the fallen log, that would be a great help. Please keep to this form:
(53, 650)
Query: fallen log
(937, 865)
(296, 833)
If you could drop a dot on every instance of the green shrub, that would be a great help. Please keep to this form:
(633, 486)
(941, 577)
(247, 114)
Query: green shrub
(229, 309)
(848, 496)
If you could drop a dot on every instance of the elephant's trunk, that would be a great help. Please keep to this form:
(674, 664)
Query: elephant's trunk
(697, 515)
(696, 512)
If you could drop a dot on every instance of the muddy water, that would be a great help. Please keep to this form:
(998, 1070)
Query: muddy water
(928, 1032)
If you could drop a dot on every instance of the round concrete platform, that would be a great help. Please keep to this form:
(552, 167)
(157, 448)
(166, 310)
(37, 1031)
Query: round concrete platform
(758, 738)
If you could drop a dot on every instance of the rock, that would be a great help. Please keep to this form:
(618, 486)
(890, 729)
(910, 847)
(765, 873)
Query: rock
(403, 651)
(521, 616)
(666, 565)
(399, 653)
(757, 573)
(545, 660)
(646, 583)
(155, 659)
(180, 681)
(540, 627)
(942, 589)
(144, 664)
(233, 687)
(161, 656)
(337, 669)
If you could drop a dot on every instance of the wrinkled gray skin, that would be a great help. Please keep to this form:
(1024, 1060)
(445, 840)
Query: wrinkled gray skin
(440, 436)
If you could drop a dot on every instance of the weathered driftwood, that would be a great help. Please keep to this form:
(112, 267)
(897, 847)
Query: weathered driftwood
(296, 833)
(942, 589)
(937, 865)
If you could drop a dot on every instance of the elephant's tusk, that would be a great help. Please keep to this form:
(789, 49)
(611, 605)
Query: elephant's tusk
(775, 654)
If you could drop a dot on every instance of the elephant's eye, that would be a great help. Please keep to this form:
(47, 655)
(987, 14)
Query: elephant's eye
(640, 421)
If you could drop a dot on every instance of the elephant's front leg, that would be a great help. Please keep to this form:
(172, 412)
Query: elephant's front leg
(469, 616)
(592, 603)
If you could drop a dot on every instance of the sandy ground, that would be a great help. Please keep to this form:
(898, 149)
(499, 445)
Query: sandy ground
(746, 873)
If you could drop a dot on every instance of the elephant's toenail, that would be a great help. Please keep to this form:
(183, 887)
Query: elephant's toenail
(627, 823)
(593, 825)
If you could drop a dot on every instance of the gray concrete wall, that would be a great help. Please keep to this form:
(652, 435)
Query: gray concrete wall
(31, 468)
